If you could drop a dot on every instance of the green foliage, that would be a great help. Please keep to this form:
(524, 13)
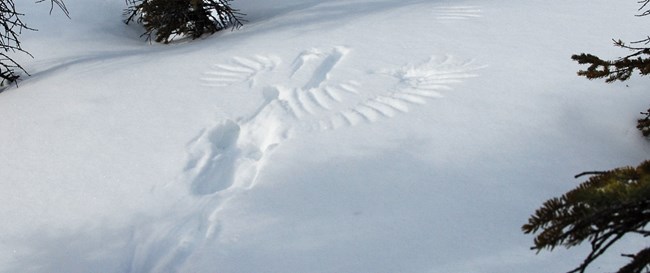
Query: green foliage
(168, 19)
(601, 211)
(610, 204)
(622, 68)
(616, 70)
(643, 124)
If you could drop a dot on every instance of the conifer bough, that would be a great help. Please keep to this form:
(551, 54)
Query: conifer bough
(611, 204)
(170, 19)
(601, 211)
(620, 69)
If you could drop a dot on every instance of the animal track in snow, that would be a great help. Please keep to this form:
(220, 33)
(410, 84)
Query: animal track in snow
(457, 12)
(306, 94)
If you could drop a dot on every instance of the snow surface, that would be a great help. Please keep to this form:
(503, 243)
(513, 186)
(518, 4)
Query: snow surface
(324, 136)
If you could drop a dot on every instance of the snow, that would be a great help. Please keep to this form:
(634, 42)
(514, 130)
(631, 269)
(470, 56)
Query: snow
(323, 136)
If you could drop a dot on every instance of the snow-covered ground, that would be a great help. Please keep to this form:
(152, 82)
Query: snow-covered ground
(324, 136)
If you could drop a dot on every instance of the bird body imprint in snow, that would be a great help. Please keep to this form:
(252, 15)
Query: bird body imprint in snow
(309, 90)
(305, 95)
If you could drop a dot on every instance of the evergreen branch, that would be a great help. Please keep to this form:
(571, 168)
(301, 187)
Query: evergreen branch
(601, 211)
(167, 20)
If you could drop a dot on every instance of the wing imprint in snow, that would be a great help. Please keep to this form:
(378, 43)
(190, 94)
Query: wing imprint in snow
(414, 84)
(307, 96)
(457, 12)
(225, 159)
(239, 70)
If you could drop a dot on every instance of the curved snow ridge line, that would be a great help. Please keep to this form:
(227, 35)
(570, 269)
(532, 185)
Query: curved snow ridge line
(87, 62)
(457, 12)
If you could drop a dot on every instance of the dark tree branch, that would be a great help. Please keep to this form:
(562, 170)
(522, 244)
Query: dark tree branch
(11, 27)
(620, 69)
(58, 3)
(640, 261)
(598, 249)
(588, 173)
(643, 3)
(167, 20)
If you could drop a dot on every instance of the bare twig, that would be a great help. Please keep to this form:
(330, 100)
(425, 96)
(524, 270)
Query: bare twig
(589, 173)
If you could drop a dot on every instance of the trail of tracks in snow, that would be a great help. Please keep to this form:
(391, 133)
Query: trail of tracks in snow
(224, 160)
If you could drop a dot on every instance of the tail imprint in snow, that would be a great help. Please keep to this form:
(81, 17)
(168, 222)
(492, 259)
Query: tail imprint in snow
(352, 104)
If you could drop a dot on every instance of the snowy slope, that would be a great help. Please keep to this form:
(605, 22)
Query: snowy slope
(324, 136)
